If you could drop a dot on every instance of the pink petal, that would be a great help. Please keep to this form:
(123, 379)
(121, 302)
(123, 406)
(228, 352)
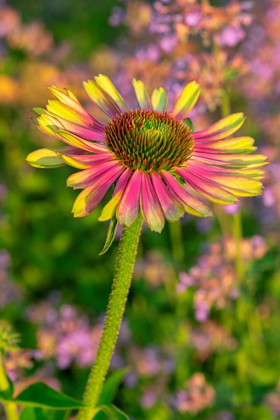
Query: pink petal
(109, 209)
(207, 189)
(90, 197)
(85, 161)
(191, 204)
(171, 206)
(150, 206)
(86, 178)
(128, 207)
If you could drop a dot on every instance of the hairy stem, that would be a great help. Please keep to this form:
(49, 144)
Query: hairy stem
(10, 408)
(116, 306)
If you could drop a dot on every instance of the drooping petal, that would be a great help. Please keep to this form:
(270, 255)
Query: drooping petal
(207, 189)
(105, 83)
(128, 207)
(141, 94)
(85, 178)
(44, 158)
(69, 99)
(236, 145)
(231, 160)
(237, 185)
(85, 161)
(102, 99)
(150, 206)
(221, 129)
(170, 205)
(90, 197)
(83, 132)
(109, 209)
(160, 100)
(59, 109)
(250, 173)
(48, 124)
(191, 204)
(78, 142)
(186, 101)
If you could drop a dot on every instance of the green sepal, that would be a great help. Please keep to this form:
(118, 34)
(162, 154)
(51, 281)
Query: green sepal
(188, 123)
(110, 235)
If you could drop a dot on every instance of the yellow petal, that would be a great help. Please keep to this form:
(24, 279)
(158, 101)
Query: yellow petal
(187, 100)
(62, 110)
(105, 83)
(49, 125)
(44, 158)
(109, 209)
(141, 94)
(159, 100)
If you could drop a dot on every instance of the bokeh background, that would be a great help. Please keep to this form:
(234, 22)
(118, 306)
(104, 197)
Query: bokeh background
(201, 332)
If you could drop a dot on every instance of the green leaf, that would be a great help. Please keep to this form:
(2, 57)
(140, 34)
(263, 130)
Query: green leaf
(110, 389)
(111, 386)
(112, 412)
(8, 393)
(35, 413)
(110, 235)
(41, 395)
(31, 413)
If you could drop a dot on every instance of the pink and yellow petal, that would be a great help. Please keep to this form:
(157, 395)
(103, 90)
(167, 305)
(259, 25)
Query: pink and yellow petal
(221, 129)
(150, 206)
(87, 177)
(105, 83)
(76, 141)
(160, 100)
(190, 203)
(233, 161)
(109, 209)
(48, 124)
(59, 109)
(171, 206)
(141, 94)
(44, 158)
(193, 165)
(101, 98)
(236, 145)
(90, 197)
(86, 161)
(207, 189)
(128, 207)
(70, 99)
(186, 101)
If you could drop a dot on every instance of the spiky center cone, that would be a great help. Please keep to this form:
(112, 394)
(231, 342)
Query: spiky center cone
(149, 140)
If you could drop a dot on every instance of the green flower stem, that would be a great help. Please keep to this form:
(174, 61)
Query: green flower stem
(236, 219)
(10, 408)
(237, 234)
(116, 306)
(177, 242)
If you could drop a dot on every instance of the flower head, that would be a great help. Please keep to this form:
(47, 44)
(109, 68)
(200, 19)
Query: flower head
(152, 156)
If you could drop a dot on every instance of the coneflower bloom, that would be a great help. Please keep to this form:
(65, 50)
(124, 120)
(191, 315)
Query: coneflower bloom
(156, 162)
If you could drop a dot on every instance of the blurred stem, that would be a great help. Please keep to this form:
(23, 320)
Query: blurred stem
(177, 242)
(116, 306)
(237, 220)
(10, 408)
(237, 234)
